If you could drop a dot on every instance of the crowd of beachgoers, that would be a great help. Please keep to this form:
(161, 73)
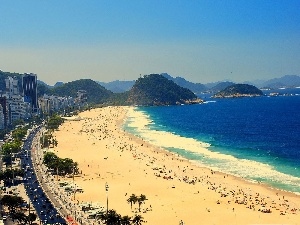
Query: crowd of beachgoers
(176, 188)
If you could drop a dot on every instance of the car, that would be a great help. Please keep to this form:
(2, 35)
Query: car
(24, 205)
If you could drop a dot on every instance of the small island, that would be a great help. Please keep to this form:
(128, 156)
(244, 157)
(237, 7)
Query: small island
(239, 90)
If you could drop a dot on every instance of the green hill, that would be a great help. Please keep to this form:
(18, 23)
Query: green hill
(155, 89)
(95, 93)
(4, 75)
(239, 90)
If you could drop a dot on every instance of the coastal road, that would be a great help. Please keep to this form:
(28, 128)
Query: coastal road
(45, 207)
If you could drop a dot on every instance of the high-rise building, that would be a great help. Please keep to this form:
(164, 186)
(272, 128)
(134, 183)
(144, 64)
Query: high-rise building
(29, 84)
(3, 112)
(12, 87)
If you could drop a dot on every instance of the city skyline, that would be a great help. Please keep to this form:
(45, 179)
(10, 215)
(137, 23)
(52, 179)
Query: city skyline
(201, 41)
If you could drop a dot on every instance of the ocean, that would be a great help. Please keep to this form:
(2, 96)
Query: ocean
(255, 138)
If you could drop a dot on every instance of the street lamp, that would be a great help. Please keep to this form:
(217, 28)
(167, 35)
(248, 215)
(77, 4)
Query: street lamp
(106, 189)
(74, 185)
(29, 213)
(11, 166)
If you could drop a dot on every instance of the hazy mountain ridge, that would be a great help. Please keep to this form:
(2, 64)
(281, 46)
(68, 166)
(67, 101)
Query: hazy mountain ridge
(287, 81)
(197, 88)
(117, 86)
(220, 86)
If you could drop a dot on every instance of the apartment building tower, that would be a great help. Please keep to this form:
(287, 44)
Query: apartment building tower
(29, 86)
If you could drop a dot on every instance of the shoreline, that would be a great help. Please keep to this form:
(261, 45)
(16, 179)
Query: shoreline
(199, 146)
(172, 184)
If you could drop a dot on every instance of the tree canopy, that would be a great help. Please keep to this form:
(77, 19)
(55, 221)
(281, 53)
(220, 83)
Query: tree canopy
(8, 173)
(54, 122)
(12, 201)
(47, 140)
(114, 218)
(62, 165)
(11, 147)
(14, 204)
(19, 133)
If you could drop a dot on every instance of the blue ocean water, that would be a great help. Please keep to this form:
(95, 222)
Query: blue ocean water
(255, 138)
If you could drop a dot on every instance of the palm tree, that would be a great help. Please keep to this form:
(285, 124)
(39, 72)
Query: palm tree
(132, 199)
(54, 142)
(138, 220)
(31, 217)
(126, 220)
(111, 218)
(140, 200)
(101, 217)
(19, 216)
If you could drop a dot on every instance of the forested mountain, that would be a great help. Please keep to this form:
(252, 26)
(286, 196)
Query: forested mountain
(239, 90)
(58, 83)
(95, 92)
(155, 89)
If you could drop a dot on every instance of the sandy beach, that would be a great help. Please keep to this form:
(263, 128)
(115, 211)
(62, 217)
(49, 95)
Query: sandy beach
(176, 189)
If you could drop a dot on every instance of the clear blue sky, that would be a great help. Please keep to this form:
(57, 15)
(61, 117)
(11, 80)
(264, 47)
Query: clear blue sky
(202, 41)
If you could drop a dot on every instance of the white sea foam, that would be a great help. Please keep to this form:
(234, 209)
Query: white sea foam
(215, 160)
(209, 102)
